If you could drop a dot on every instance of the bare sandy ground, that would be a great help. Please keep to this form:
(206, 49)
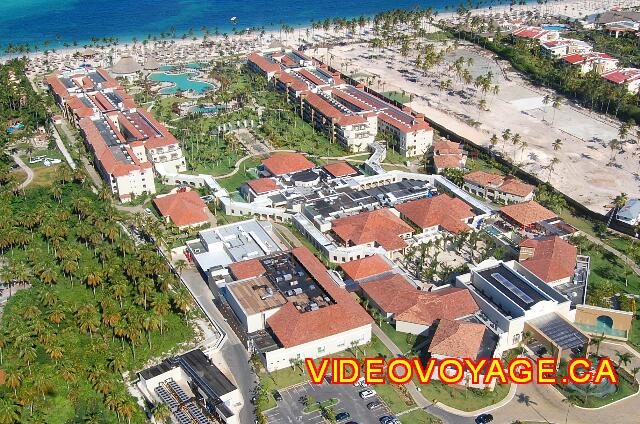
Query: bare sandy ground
(581, 173)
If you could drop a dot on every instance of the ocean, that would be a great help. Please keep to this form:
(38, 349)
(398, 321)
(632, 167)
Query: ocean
(64, 21)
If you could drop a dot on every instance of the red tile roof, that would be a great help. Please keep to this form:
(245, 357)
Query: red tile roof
(263, 63)
(619, 76)
(553, 258)
(506, 184)
(183, 208)
(447, 212)
(340, 169)
(381, 226)
(527, 213)
(446, 147)
(365, 267)
(293, 82)
(395, 295)
(262, 185)
(282, 163)
(447, 161)
(246, 269)
(530, 32)
(292, 327)
(457, 339)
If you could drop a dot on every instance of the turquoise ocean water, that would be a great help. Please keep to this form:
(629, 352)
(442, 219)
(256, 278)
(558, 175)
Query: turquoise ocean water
(65, 21)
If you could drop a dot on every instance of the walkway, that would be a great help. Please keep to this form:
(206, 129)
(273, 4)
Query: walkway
(627, 260)
(26, 169)
(61, 145)
(91, 171)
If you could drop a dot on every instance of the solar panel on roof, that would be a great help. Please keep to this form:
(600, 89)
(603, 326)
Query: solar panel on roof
(515, 290)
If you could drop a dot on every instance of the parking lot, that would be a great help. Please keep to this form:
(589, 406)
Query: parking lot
(290, 408)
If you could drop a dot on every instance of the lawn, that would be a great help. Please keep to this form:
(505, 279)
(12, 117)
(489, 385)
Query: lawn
(460, 397)
(243, 175)
(624, 389)
(419, 416)
(43, 176)
(393, 395)
(320, 405)
(404, 341)
(397, 96)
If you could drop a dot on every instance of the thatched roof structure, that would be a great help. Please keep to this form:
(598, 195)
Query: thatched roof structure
(126, 65)
(151, 64)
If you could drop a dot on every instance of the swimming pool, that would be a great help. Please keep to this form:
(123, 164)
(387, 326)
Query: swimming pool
(558, 27)
(493, 231)
(182, 82)
(15, 128)
(194, 65)
(207, 109)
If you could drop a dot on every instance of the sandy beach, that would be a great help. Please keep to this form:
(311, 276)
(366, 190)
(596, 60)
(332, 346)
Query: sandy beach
(581, 173)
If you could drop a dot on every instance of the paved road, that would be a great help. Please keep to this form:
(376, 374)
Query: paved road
(26, 169)
(233, 351)
(61, 145)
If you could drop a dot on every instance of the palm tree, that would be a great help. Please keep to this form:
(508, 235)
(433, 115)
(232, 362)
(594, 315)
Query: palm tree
(9, 411)
(618, 202)
(623, 358)
(181, 264)
(161, 413)
(181, 300)
(150, 322)
(13, 379)
(597, 341)
(557, 144)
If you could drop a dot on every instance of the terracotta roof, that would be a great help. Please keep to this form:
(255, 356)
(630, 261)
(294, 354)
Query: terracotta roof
(263, 63)
(184, 208)
(457, 339)
(446, 147)
(512, 185)
(447, 161)
(395, 295)
(625, 75)
(286, 163)
(327, 109)
(506, 184)
(381, 226)
(340, 169)
(246, 269)
(527, 213)
(292, 81)
(292, 327)
(553, 258)
(530, 32)
(262, 185)
(484, 178)
(447, 212)
(365, 267)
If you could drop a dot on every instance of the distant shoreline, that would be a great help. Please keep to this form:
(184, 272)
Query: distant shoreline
(298, 29)
(227, 27)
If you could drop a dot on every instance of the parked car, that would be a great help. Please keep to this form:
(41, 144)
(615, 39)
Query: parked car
(342, 416)
(484, 418)
(277, 396)
(351, 422)
(360, 382)
(366, 394)
(387, 419)
(374, 405)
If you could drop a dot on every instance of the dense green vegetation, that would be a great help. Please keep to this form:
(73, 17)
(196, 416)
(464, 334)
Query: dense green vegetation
(625, 47)
(19, 103)
(94, 306)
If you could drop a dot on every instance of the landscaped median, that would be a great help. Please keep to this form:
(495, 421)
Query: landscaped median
(395, 396)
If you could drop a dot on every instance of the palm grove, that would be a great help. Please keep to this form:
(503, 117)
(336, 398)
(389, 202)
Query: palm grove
(93, 305)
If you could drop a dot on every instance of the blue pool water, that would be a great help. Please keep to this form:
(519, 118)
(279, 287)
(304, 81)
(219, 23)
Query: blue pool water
(76, 22)
(182, 82)
(165, 68)
(207, 109)
(558, 27)
(15, 128)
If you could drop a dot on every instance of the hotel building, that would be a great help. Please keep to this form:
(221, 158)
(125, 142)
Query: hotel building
(346, 114)
(127, 143)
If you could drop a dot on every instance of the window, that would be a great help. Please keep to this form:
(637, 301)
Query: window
(321, 349)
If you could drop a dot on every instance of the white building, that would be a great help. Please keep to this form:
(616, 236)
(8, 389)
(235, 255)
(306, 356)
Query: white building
(628, 77)
(291, 308)
(630, 212)
(509, 296)
(193, 389)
